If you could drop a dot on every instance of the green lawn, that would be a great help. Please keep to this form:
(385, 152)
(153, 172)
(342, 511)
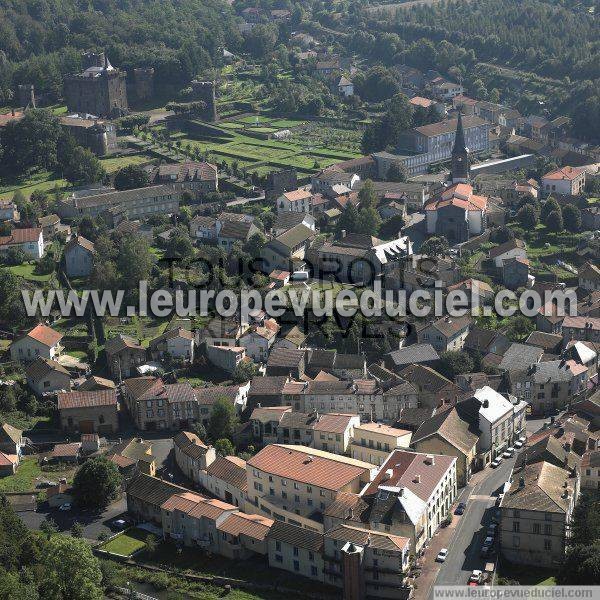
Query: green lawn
(26, 271)
(44, 181)
(112, 165)
(24, 479)
(126, 543)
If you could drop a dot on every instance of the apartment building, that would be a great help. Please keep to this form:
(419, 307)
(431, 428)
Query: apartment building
(361, 562)
(411, 495)
(549, 385)
(333, 432)
(590, 470)
(226, 478)
(499, 420)
(373, 442)
(299, 200)
(363, 397)
(296, 483)
(124, 205)
(535, 515)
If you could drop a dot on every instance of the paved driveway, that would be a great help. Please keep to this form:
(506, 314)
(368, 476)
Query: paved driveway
(93, 523)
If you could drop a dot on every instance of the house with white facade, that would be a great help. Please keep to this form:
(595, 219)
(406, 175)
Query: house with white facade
(40, 341)
(30, 241)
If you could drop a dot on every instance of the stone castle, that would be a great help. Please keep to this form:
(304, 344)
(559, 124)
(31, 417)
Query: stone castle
(99, 90)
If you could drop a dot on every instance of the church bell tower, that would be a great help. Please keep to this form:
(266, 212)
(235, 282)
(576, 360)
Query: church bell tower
(460, 155)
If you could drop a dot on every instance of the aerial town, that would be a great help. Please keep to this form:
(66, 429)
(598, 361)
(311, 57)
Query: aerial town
(298, 299)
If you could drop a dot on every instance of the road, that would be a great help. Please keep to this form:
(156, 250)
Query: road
(240, 200)
(470, 531)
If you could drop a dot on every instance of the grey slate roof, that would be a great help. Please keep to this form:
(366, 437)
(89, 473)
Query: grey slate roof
(417, 353)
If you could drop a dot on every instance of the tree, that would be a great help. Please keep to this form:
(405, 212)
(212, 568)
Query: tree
(367, 196)
(134, 261)
(369, 221)
(83, 167)
(224, 447)
(549, 206)
(77, 529)
(131, 177)
(519, 328)
(72, 572)
(199, 429)
(255, 244)
(223, 420)
(554, 221)
(527, 216)
(244, 371)
(502, 234)
(96, 483)
(180, 245)
(572, 218)
(14, 256)
(348, 220)
(455, 363)
(48, 527)
(397, 172)
(31, 142)
(581, 566)
(435, 246)
(151, 544)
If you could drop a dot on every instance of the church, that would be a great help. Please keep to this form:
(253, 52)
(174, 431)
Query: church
(457, 213)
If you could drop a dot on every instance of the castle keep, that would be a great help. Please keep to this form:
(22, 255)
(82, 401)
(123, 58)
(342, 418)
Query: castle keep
(99, 90)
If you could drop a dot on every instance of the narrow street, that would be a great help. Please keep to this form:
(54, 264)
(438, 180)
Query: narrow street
(465, 536)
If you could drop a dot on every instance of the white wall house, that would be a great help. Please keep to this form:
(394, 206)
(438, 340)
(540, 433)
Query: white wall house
(30, 241)
(40, 341)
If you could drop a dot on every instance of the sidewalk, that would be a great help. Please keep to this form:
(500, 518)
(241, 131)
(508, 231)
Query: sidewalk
(442, 539)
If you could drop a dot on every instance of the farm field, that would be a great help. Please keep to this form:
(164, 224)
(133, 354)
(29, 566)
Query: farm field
(44, 181)
(111, 165)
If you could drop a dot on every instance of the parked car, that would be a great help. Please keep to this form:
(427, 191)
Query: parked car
(65, 507)
(476, 576)
(443, 553)
(506, 454)
(492, 529)
(518, 445)
(460, 509)
(496, 462)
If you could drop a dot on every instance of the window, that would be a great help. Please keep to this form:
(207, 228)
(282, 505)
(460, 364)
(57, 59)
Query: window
(279, 558)
(258, 486)
(547, 544)
(516, 514)
(536, 528)
(311, 556)
(516, 526)
(516, 541)
(296, 565)
(547, 529)
(296, 486)
(295, 551)
(314, 571)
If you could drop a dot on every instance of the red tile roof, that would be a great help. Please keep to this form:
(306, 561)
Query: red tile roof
(68, 400)
(21, 236)
(253, 526)
(312, 469)
(564, 173)
(333, 422)
(45, 335)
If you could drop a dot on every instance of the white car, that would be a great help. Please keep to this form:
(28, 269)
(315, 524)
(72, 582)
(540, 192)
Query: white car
(506, 454)
(65, 507)
(475, 576)
(496, 463)
(518, 445)
(441, 557)
(522, 439)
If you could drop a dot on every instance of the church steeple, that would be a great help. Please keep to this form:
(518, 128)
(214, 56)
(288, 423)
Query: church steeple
(460, 155)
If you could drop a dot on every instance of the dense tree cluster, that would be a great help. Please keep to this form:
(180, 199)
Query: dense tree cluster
(42, 40)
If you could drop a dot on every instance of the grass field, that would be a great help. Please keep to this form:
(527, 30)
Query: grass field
(24, 479)
(126, 543)
(26, 271)
(44, 181)
(111, 165)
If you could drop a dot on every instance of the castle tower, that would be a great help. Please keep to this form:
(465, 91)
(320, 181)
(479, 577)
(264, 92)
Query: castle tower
(352, 557)
(206, 91)
(460, 155)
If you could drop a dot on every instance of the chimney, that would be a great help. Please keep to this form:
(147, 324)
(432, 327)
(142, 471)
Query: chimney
(400, 492)
(343, 233)
(430, 460)
(258, 405)
(417, 479)
(485, 404)
(388, 474)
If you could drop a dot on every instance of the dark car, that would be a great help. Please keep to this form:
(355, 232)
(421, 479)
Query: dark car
(460, 509)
